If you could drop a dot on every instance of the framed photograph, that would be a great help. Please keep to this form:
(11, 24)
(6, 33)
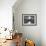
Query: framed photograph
(29, 19)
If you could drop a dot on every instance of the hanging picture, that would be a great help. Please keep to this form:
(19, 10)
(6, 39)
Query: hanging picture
(29, 19)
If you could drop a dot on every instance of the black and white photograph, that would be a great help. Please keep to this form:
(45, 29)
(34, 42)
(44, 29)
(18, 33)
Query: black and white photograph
(29, 19)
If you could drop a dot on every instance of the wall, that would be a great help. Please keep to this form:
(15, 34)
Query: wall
(6, 13)
(43, 22)
(28, 7)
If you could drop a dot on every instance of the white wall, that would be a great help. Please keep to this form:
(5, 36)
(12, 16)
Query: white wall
(29, 7)
(43, 22)
(6, 13)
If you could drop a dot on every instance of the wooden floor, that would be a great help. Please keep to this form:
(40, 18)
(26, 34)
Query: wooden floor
(9, 43)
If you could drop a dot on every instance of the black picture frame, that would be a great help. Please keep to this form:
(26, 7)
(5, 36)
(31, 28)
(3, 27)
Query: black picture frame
(29, 19)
